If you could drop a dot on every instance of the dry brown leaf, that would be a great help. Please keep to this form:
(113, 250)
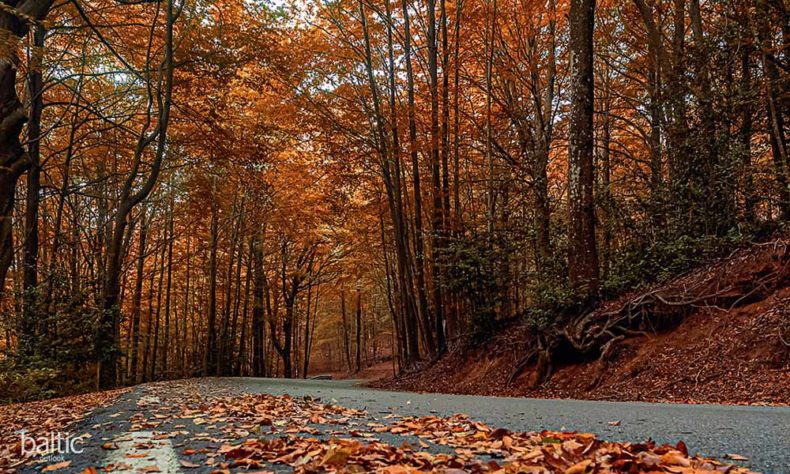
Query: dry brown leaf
(187, 464)
(135, 455)
(581, 467)
(149, 469)
(57, 466)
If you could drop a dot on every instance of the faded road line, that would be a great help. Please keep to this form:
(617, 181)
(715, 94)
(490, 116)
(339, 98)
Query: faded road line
(141, 451)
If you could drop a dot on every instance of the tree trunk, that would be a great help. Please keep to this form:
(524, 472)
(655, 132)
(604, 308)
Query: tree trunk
(158, 313)
(166, 336)
(31, 329)
(437, 212)
(359, 330)
(13, 159)
(545, 125)
(678, 131)
(654, 60)
(774, 110)
(394, 198)
(419, 233)
(150, 318)
(344, 319)
(583, 256)
(137, 298)
(109, 328)
(258, 340)
(241, 361)
(211, 341)
(745, 132)
(182, 355)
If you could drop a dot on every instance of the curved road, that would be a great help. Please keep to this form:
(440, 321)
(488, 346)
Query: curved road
(761, 434)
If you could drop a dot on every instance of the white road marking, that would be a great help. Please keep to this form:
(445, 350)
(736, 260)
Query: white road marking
(139, 450)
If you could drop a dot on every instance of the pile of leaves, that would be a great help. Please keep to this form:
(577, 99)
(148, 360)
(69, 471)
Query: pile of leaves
(552, 451)
(270, 410)
(41, 418)
(476, 447)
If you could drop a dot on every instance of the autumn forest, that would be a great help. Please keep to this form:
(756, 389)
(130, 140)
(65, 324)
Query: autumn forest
(292, 188)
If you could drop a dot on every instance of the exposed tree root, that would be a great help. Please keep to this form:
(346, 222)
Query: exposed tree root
(746, 276)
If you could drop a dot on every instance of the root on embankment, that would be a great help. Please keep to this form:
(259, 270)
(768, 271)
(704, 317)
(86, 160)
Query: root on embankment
(746, 276)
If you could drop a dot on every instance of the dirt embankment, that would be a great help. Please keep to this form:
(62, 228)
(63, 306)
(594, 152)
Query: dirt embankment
(720, 334)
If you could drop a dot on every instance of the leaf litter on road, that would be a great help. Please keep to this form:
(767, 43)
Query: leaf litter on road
(232, 432)
(256, 432)
(41, 418)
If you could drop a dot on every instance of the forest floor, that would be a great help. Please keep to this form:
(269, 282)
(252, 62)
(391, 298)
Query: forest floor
(730, 355)
(238, 425)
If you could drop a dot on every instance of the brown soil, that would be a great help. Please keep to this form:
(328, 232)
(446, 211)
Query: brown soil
(733, 354)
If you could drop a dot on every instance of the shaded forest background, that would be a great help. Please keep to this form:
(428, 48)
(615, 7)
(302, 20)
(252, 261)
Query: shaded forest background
(241, 188)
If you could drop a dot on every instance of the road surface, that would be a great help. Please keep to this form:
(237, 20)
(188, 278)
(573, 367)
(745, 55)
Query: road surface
(761, 434)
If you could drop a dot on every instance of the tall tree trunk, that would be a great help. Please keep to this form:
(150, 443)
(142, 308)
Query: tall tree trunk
(745, 132)
(716, 206)
(158, 313)
(606, 171)
(182, 354)
(109, 329)
(545, 126)
(456, 116)
(359, 330)
(31, 329)
(677, 135)
(654, 61)
(490, 43)
(437, 212)
(286, 349)
(138, 295)
(344, 320)
(14, 161)
(309, 330)
(419, 233)
(394, 198)
(166, 337)
(211, 343)
(776, 124)
(224, 343)
(241, 361)
(583, 255)
(230, 366)
(150, 318)
(258, 340)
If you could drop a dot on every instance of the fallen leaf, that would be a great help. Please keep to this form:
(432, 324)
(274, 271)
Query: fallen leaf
(736, 457)
(135, 455)
(580, 467)
(675, 459)
(681, 446)
(56, 467)
(149, 469)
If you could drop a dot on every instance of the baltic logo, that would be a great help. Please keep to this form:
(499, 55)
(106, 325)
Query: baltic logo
(54, 445)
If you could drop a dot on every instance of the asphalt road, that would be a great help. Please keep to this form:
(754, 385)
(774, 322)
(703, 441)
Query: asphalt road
(761, 434)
